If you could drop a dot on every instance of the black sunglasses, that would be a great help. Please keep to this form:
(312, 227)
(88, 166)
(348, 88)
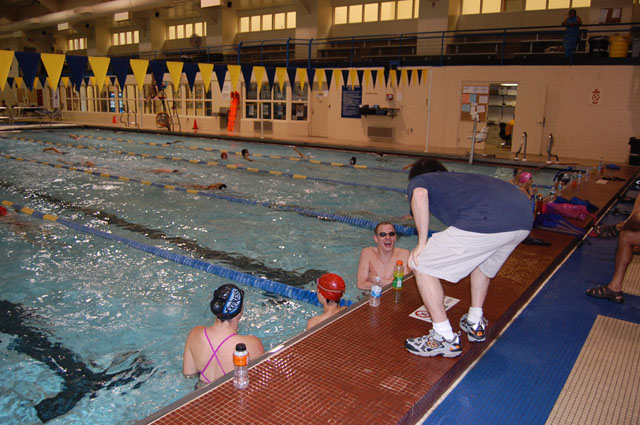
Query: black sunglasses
(383, 234)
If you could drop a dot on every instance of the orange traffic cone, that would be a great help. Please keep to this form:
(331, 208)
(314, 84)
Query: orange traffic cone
(195, 124)
(114, 119)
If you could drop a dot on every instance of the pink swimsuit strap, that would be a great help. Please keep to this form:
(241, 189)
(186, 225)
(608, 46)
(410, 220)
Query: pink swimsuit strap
(215, 354)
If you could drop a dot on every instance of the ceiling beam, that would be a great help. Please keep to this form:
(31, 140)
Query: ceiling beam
(50, 5)
(305, 4)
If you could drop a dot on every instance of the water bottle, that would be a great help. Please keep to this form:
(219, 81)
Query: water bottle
(376, 292)
(398, 275)
(240, 367)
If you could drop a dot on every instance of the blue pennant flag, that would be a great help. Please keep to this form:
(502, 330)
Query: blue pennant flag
(291, 72)
(328, 73)
(360, 73)
(271, 75)
(345, 77)
(43, 79)
(10, 82)
(158, 69)
(28, 62)
(78, 66)
(246, 73)
(190, 69)
(120, 67)
(221, 72)
(374, 76)
(311, 72)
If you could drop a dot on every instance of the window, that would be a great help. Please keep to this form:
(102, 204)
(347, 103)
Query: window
(370, 12)
(340, 15)
(355, 14)
(387, 10)
(405, 9)
(271, 103)
(77, 44)
(180, 31)
(126, 37)
(555, 4)
(268, 22)
(291, 19)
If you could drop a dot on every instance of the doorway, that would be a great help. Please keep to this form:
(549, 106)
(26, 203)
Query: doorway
(501, 112)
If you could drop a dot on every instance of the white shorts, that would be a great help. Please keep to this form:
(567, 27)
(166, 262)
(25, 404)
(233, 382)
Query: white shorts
(453, 253)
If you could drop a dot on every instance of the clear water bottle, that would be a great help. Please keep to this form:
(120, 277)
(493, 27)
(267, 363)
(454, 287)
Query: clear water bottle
(376, 293)
(398, 275)
(241, 367)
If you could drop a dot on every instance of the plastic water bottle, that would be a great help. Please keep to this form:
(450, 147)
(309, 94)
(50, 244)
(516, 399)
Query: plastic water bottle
(398, 275)
(240, 367)
(376, 292)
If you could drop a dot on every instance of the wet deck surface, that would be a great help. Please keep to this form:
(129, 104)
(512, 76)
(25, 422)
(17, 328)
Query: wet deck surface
(355, 369)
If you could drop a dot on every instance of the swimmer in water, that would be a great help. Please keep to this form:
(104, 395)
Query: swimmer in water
(379, 260)
(525, 184)
(224, 156)
(165, 171)
(208, 352)
(51, 149)
(215, 186)
(245, 154)
(330, 288)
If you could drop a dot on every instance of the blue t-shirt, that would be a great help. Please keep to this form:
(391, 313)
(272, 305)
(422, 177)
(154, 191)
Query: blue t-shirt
(475, 202)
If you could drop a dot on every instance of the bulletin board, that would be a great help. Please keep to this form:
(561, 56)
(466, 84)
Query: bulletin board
(474, 98)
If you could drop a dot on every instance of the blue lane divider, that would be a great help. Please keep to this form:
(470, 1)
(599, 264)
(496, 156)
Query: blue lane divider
(230, 166)
(264, 284)
(323, 215)
(257, 155)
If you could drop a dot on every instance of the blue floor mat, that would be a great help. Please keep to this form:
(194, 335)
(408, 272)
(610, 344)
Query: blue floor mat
(520, 377)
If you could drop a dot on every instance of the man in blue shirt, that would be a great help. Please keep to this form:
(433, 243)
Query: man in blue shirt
(486, 218)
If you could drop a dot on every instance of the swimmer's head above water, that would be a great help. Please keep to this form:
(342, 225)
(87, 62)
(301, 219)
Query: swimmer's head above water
(227, 301)
(331, 286)
(525, 177)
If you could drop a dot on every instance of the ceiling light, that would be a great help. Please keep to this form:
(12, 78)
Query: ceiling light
(122, 16)
(63, 26)
(210, 3)
(509, 84)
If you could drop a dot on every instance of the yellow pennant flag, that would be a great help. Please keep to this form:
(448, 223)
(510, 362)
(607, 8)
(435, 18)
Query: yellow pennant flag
(234, 74)
(205, 72)
(65, 82)
(353, 75)
(403, 76)
(380, 76)
(53, 63)
(99, 66)
(18, 82)
(392, 77)
(175, 72)
(281, 74)
(6, 60)
(259, 71)
(367, 77)
(92, 81)
(414, 76)
(139, 68)
(302, 77)
(320, 77)
(337, 76)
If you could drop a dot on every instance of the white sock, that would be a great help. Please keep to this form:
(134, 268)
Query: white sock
(444, 329)
(475, 315)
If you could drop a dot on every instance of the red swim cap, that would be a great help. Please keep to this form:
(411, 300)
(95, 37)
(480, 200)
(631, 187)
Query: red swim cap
(331, 286)
(3, 211)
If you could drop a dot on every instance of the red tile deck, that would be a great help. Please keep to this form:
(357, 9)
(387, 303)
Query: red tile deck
(355, 369)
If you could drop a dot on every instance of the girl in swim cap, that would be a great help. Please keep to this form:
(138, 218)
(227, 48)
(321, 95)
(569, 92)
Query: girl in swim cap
(525, 183)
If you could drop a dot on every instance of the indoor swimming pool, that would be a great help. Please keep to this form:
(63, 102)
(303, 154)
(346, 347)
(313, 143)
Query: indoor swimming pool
(97, 327)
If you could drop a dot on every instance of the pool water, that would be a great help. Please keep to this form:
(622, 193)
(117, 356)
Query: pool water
(117, 316)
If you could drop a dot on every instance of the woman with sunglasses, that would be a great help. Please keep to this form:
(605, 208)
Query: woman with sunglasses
(380, 260)
(208, 352)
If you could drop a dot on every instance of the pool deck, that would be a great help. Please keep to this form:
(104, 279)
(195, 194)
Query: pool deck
(355, 370)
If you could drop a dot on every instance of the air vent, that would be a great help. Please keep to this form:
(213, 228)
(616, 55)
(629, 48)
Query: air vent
(385, 133)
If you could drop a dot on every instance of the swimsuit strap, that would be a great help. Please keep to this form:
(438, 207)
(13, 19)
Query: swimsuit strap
(214, 354)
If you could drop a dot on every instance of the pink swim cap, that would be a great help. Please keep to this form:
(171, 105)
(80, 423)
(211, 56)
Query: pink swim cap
(525, 177)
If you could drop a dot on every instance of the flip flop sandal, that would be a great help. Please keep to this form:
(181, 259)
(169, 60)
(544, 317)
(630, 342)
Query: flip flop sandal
(535, 241)
(603, 292)
(605, 232)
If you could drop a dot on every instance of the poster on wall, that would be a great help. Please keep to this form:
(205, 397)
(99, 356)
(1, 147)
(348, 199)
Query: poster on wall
(474, 100)
(351, 101)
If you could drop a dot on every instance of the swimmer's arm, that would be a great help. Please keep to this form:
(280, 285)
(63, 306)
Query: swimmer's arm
(189, 369)
(313, 321)
(254, 346)
(363, 270)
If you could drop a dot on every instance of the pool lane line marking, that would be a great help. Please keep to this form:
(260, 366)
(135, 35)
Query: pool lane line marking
(321, 215)
(272, 286)
(258, 155)
(230, 166)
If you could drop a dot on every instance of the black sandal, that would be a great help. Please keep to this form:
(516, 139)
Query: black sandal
(603, 292)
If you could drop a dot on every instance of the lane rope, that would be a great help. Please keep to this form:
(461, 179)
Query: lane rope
(247, 279)
(216, 163)
(322, 215)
